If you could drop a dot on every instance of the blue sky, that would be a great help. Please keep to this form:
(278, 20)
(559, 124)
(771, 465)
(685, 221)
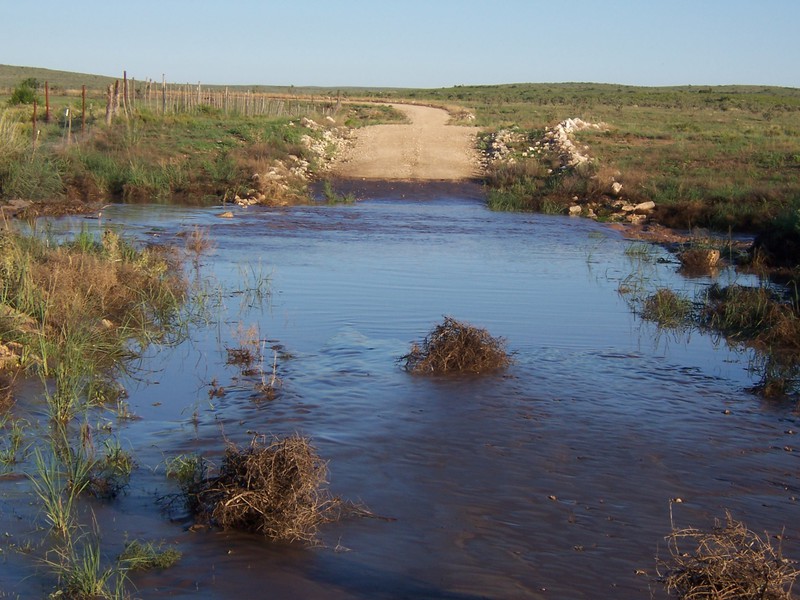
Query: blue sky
(411, 43)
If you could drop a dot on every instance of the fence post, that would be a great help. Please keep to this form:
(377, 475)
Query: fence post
(163, 94)
(83, 109)
(109, 103)
(69, 126)
(34, 124)
(47, 102)
(125, 92)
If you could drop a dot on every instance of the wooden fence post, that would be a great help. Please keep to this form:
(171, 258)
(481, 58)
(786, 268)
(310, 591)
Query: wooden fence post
(68, 115)
(163, 94)
(109, 103)
(47, 102)
(83, 109)
(125, 92)
(115, 101)
(34, 124)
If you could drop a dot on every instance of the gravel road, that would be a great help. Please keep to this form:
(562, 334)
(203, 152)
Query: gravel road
(426, 149)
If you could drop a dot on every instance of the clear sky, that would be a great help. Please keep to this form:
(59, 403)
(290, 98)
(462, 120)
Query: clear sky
(411, 43)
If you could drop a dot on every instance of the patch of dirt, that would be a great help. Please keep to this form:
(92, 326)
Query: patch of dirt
(425, 149)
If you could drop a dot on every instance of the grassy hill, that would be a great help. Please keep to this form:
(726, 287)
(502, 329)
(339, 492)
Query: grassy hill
(10, 76)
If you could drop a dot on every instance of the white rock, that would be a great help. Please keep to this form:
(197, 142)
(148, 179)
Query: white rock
(616, 188)
(574, 210)
(645, 206)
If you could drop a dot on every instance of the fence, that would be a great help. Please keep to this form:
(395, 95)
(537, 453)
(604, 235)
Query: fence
(167, 98)
(124, 97)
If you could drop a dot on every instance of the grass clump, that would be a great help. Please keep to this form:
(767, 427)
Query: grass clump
(142, 556)
(457, 347)
(331, 196)
(729, 562)
(759, 318)
(667, 308)
(84, 574)
(273, 488)
(754, 315)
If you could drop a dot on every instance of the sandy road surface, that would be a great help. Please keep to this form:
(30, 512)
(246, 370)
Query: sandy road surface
(425, 150)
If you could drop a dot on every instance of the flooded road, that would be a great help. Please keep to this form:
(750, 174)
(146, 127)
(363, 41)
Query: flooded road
(550, 480)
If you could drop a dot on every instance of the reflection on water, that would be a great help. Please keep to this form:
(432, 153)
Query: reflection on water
(551, 480)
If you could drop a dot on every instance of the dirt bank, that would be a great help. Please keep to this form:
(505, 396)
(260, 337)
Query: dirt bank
(426, 149)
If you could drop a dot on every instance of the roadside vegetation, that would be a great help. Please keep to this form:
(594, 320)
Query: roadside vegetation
(723, 158)
(193, 153)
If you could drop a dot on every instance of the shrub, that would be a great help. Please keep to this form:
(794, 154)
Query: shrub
(457, 347)
(24, 93)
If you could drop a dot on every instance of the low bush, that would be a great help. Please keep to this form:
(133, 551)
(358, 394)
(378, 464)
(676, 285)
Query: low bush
(456, 347)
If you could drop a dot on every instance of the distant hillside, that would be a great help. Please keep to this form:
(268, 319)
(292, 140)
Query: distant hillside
(10, 76)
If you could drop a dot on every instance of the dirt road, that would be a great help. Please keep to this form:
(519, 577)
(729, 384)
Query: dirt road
(427, 149)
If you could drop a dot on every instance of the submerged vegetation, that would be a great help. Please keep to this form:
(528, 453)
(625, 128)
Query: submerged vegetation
(756, 317)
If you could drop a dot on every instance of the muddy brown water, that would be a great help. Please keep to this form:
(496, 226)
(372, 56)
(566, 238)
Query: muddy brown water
(550, 480)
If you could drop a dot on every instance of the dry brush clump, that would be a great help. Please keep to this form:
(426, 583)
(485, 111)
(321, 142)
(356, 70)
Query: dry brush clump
(274, 488)
(457, 347)
(730, 562)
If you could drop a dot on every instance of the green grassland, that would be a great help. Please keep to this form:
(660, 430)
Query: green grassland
(720, 157)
